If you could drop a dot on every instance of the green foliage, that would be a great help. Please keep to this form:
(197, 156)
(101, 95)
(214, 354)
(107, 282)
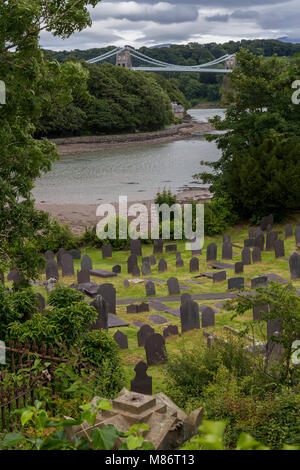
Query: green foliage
(218, 215)
(55, 236)
(90, 237)
(63, 296)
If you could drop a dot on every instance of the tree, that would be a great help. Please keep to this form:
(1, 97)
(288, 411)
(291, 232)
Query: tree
(29, 81)
(259, 169)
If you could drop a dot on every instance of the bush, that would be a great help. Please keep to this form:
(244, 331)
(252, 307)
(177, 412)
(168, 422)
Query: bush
(56, 236)
(90, 237)
(63, 296)
(218, 215)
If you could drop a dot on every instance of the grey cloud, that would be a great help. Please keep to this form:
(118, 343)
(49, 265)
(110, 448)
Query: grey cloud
(221, 18)
(244, 14)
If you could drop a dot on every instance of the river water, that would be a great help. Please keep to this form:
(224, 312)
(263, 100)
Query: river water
(137, 172)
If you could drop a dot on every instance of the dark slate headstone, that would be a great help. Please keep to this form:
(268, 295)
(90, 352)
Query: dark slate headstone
(259, 241)
(256, 311)
(136, 247)
(132, 308)
(155, 347)
(251, 232)
(131, 262)
(186, 296)
(173, 286)
(258, 232)
(67, 265)
(249, 243)
(157, 319)
(116, 269)
(158, 246)
(194, 265)
(126, 283)
(146, 260)
(162, 265)
(171, 248)
(189, 316)
(294, 262)
(271, 238)
(219, 276)
(171, 330)
(41, 302)
(106, 251)
(269, 228)
(273, 325)
(256, 255)
(246, 256)
(179, 263)
(238, 267)
(259, 281)
(227, 250)
(14, 275)
(146, 268)
(265, 221)
(52, 270)
(76, 254)
(211, 252)
(279, 249)
(136, 272)
(288, 231)
(208, 317)
(49, 255)
(108, 293)
(141, 383)
(121, 339)
(143, 307)
(152, 260)
(150, 288)
(59, 255)
(102, 310)
(83, 277)
(297, 235)
(86, 263)
(237, 283)
(143, 333)
(226, 238)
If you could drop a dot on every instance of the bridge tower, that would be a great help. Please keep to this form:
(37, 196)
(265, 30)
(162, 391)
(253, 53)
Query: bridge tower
(229, 64)
(123, 59)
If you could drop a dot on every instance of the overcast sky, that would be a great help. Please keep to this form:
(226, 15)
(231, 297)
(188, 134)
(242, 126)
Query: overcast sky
(148, 22)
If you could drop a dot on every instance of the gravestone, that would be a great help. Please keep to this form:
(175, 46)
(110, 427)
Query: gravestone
(162, 265)
(106, 251)
(226, 238)
(251, 232)
(184, 297)
(279, 249)
(41, 302)
(269, 228)
(143, 307)
(67, 265)
(271, 238)
(108, 293)
(237, 283)
(136, 247)
(219, 276)
(249, 243)
(294, 263)
(146, 268)
(246, 256)
(116, 269)
(157, 319)
(194, 265)
(126, 283)
(297, 235)
(179, 263)
(132, 308)
(146, 260)
(155, 347)
(173, 286)
(143, 333)
(227, 250)
(136, 272)
(273, 325)
(15, 276)
(208, 317)
(152, 260)
(121, 339)
(171, 330)
(259, 281)
(59, 255)
(141, 383)
(256, 311)
(52, 270)
(158, 246)
(288, 231)
(189, 316)
(238, 267)
(76, 254)
(131, 262)
(83, 276)
(171, 248)
(49, 255)
(86, 263)
(211, 252)
(259, 241)
(150, 288)
(265, 221)
(102, 310)
(256, 255)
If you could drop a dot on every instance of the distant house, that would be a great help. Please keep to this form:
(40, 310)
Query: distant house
(178, 110)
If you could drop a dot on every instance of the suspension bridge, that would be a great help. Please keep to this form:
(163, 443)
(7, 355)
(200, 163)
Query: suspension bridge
(124, 59)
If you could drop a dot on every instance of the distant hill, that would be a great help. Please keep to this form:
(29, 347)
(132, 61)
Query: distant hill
(290, 40)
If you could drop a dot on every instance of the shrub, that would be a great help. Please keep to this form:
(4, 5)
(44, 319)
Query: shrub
(56, 236)
(63, 296)
(218, 215)
(90, 237)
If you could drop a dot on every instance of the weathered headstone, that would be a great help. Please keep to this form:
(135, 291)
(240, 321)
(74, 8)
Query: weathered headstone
(121, 339)
(158, 246)
(126, 283)
(86, 263)
(171, 248)
(152, 260)
(106, 251)
(141, 383)
(288, 231)
(265, 221)
(136, 247)
(208, 317)
(49, 255)
(146, 260)
(297, 235)
(259, 241)
(185, 296)
(132, 308)
(256, 255)
(162, 265)
(171, 330)
(251, 232)
(270, 240)
(194, 265)
(211, 252)
(237, 283)
(67, 265)
(279, 249)
(102, 310)
(136, 272)
(249, 243)
(143, 307)
(83, 276)
(59, 255)
(76, 254)
(108, 292)
(227, 250)
(189, 316)
(238, 267)
(226, 238)
(173, 286)
(116, 269)
(131, 262)
(155, 347)
(257, 316)
(246, 256)
(150, 288)
(52, 270)
(219, 276)
(143, 333)
(259, 281)
(179, 263)
(273, 325)
(294, 262)
(146, 268)
(41, 302)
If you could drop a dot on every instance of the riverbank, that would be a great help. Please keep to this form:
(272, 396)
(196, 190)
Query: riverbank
(76, 145)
